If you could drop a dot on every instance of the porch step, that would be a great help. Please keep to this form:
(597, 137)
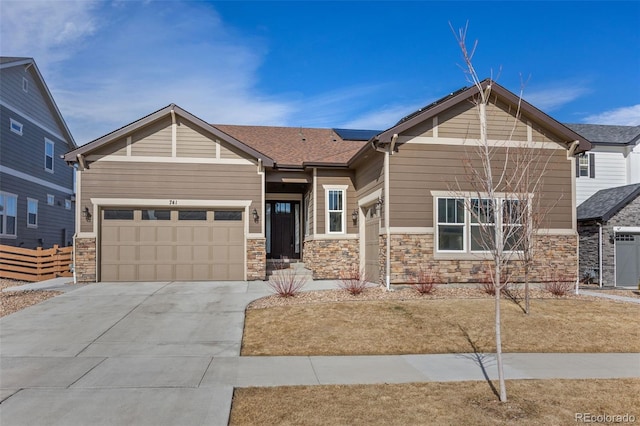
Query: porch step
(298, 267)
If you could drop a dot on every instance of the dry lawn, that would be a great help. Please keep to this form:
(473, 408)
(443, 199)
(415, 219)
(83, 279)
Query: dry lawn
(13, 301)
(422, 326)
(531, 402)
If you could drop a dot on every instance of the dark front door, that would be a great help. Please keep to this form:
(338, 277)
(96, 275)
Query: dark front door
(282, 217)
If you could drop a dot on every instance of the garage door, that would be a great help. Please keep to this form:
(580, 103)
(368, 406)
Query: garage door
(627, 259)
(372, 244)
(171, 245)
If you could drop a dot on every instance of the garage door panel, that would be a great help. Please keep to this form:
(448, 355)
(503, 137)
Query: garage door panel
(134, 249)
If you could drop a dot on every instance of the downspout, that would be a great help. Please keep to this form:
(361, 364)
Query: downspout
(387, 222)
(599, 254)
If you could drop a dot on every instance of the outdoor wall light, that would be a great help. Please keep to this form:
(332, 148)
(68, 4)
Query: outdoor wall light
(256, 218)
(87, 214)
(354, 216)
(380, 201)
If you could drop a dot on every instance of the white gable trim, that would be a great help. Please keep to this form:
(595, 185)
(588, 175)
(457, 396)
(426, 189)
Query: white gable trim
(34, 121)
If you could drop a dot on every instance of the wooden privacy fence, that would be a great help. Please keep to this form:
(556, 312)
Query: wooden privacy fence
(35, 265)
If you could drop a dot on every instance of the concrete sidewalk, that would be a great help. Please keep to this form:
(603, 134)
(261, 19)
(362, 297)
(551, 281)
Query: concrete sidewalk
(167, 353)
(610, 296)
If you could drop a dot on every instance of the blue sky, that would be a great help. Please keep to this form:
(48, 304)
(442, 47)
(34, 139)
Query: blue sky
(321, 64)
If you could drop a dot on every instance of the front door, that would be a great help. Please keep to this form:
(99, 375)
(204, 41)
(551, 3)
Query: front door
(283, 228)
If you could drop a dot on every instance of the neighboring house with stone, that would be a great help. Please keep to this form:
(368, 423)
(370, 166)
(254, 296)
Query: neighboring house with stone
(172, 197)
(613, 161)
(609, 228)
(36, 184)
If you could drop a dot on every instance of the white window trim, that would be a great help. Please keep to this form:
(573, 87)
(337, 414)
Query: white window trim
(51, 198)
(32, 225)
(48, 142)
(588, 165)
(437, 226)
(13, 124)
(25, 85)
(4, 216)
(67, 204)
(466, 237)
(327, 190)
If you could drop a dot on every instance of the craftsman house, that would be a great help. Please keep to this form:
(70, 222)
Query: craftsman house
(172, 197)
(36, 185)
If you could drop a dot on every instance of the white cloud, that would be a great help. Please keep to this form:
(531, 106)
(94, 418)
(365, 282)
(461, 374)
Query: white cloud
(624, 116)
(48, 31)
(380, 119)
(555, 96)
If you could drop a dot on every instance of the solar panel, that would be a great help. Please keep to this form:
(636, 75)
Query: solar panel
(356, 134)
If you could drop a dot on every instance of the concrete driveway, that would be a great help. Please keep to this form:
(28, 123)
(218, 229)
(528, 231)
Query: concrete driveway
(123, 353)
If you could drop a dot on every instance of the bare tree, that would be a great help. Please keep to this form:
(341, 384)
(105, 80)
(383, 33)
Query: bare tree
(503, 185)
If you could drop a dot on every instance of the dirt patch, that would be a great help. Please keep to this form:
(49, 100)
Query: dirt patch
(14, 301)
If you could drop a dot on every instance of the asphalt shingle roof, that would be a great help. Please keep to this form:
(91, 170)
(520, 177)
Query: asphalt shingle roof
(607, 134)
(604, 204)
(295, 146)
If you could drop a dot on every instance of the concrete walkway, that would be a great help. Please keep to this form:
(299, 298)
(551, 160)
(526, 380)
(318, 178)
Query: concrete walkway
(596, 293)
(167, 353)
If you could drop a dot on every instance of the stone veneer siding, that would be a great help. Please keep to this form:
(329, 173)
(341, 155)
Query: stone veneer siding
(627, 216)
(85, 259)
(410, 252)
(329, 258)
(256, 259)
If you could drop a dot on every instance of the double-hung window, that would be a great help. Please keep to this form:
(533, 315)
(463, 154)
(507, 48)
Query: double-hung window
(451, 224)
(483, 219)
(336, 205)
(8, 212)
(32, 213)
(48, 155)
(468, 225)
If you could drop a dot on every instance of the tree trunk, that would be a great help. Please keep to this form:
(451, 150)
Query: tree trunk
(526, 290)
(503, 388)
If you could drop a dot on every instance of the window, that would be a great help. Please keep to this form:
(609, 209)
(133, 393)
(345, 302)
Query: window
(512, 212)
(585, 166)
(192, 215)
(335, 211)
(473, 229)
(482, 220)
(8, 212)
(156, 214)
(227, 215)
(118, 214)
(15, 126)
(48, 155)
(67, 204)
(51, 200)
(451, 224)
(25, 85)
(32, 213)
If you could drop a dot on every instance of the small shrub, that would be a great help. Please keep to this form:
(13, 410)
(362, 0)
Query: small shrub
(425, 281)
(286, 282)
(353, 281)
(487, 285)
(558, 284)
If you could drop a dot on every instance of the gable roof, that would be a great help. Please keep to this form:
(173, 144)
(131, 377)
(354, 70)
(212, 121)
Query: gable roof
(297, 146)
(163, 112)
(604, 204)
(604, 134)
(465, 93)
(10, 61)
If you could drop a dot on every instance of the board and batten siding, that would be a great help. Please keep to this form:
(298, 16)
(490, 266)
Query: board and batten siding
(461, 121)
(335, 177)
(114, 179)
(31, 103)
(418, 169)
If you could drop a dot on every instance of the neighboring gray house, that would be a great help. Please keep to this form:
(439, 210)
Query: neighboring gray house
(36, 186)
(609, 229)
(613, 161)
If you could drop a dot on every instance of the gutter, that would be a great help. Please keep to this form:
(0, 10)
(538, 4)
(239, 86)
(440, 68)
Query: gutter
(387, 221)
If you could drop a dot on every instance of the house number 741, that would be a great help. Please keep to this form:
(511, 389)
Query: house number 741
(173, 202)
